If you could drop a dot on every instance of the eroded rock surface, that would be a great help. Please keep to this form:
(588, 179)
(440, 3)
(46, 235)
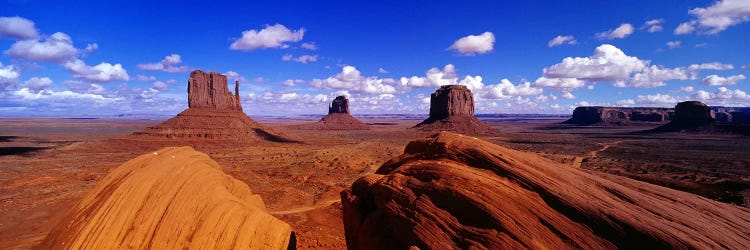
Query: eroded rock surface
(457, 192)
(452, 109)
(174, 198)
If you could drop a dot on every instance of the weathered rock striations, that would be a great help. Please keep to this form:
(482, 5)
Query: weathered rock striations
(618, 116)
(452, 109)
(339, 105)
(210, 90)
(338, 118)
(458, 192)
(174, 198)
(213, 113)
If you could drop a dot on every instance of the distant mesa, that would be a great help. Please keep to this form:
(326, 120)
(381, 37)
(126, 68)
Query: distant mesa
(174, 198)
(213, 113)
(338, 118)
(619, 116)
(457, 192)
(452, 109)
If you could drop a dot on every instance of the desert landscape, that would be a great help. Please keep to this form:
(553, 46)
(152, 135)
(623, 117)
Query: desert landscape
(52, 163)
(374, 125)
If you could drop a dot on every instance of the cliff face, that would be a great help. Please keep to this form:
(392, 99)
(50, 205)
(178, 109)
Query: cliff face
(619, 116)
(457, 192)
(210, 90)
(452, 109)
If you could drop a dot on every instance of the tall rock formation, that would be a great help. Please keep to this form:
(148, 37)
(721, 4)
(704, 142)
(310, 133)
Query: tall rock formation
(457, 192)
(210, 90)
(690, 115)
(340, 105)
(213, 113)
(174, 198)
(338, 118)
(452, 109)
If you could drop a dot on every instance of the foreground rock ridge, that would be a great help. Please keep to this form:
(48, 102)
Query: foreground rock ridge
(338, 118)
(213, 113)
(210, 90)
(452, 109)
(174, 198)
(452, 191)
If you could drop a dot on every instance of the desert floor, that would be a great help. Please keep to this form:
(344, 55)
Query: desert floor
(48, 164)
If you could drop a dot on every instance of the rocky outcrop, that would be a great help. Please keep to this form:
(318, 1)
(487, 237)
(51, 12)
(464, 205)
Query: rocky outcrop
(457, 192)
(213, 113)
(340, 105)
(174, 198)
(452, 109)
(210, 90)
(338, 118)
(691, 115)
(618, 116)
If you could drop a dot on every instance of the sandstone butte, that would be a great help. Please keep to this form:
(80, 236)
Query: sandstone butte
(458, 192)
(452, 109)
(213, 113)
(174, 198)
(587, 115)
(338, 118)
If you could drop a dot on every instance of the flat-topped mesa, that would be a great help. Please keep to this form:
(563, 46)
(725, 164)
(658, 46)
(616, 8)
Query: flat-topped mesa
(452, 109)
(340, 105)
(210, 90)
(588, 115)
(451, 100)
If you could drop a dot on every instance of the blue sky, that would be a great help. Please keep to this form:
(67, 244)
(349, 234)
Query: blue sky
(293, 57)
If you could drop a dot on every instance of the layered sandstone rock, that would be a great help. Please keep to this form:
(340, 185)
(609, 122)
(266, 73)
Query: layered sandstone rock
(174, 198)
(213, 113)
(338, 118)
(619, 116)
(210, 90)
(452, 109)
(457, 192)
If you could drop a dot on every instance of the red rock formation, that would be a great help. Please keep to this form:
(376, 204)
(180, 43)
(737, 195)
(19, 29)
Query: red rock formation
(340, 105)
(174, 198)
(452, 109)
(213, 113)
(338, 118)
(457, 192)
(210, 90)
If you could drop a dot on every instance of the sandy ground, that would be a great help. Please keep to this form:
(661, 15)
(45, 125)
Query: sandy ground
(47, 165)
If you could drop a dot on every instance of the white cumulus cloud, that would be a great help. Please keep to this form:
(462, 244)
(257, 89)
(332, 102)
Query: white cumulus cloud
(56, 48)
(653, 25)
(17, 28)
(36, 84)
(8, 76)
(272, 36)
(102, 72)
(621, 31)
(474, 44)
(170, 64)
(715, 80)
(560, 40)
(716, 18)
